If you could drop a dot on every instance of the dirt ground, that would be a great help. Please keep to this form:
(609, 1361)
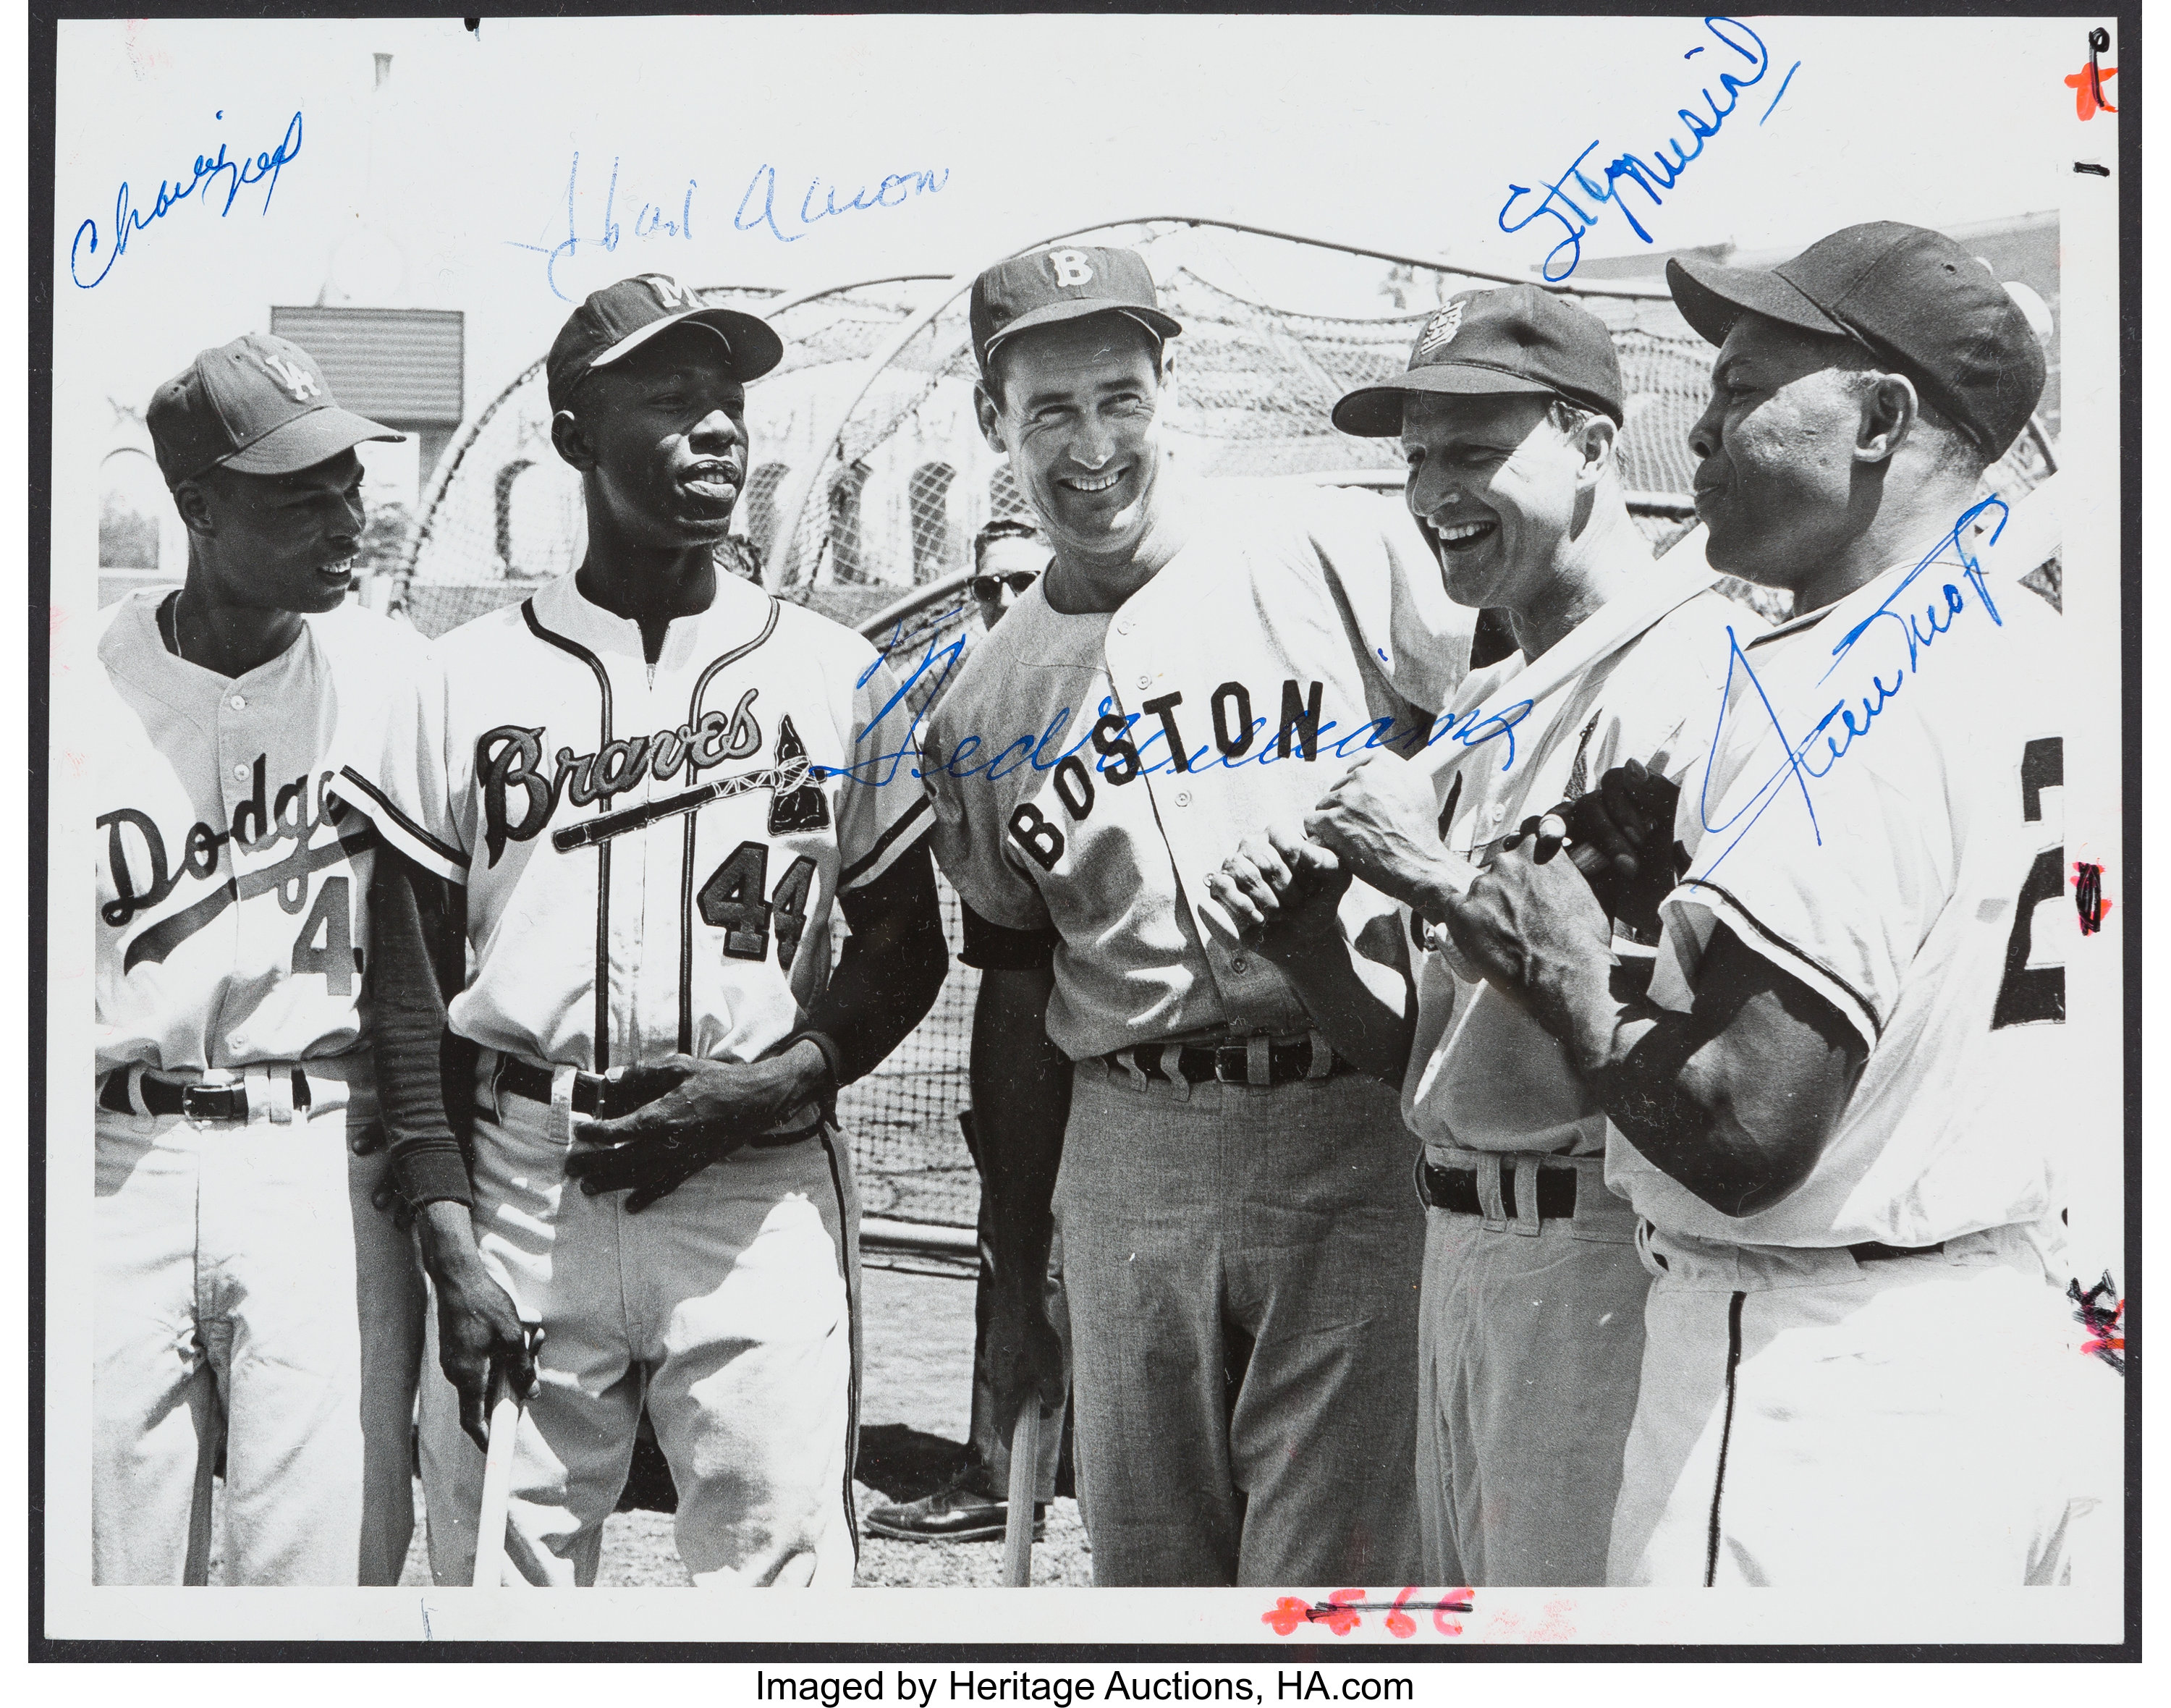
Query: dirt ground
(914, 1405)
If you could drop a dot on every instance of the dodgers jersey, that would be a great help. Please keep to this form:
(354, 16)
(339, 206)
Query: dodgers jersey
(236, 842)
(651, 853)
(1880, 816)
(1088, 771)
(1630, 681)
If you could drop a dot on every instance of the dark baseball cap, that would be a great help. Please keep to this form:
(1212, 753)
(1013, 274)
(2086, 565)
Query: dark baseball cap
(260, 405)
(1915, 298)
(1053, 285)
(622, 317)
(1517, 338)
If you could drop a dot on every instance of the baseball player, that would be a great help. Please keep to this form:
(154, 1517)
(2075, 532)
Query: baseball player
(663, 785)
(1008, 557)
(1533, 1297)
(1836, 1113)
(248, 726)
(1240, 1247)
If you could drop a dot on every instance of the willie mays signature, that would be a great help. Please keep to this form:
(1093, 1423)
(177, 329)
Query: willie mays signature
(128, 219)
(1900, 622)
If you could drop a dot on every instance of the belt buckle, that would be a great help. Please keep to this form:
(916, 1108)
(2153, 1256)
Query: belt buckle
(204, 1104)
(1225, 1055)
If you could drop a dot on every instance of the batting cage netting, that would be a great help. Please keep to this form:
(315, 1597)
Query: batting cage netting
(869, 478)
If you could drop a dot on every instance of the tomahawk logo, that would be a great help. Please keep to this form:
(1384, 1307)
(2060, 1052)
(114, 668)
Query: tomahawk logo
(669, 291)
(1440, 329)
(295, 378)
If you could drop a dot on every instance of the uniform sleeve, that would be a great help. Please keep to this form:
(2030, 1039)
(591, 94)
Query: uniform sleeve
(882, 809)
(968, 835)
(392, 764)
(1838, 890)
(1412, 631)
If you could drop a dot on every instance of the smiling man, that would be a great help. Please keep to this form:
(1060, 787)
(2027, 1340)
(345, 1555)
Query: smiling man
(1240, 1247)
(1509, 415)
(652, 815)
(249, 1298)
(1838, 1113)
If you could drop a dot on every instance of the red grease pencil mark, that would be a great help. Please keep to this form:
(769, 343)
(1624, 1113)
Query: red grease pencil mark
(1340, 1613)
(2089, 898)
(2102, 1312)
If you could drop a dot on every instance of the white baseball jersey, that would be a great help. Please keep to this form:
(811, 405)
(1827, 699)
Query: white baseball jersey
(1089, 771)
(1629, 682)
(1880, 817)
(651, 853)
(233, 867)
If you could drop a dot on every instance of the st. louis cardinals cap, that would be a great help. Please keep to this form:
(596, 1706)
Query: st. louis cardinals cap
(624, 316)
(1052, 285)
(1515, 339)
(260, 405)
(1918, 301)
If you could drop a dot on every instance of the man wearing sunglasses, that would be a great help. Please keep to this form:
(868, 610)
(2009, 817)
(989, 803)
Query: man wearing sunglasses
(1008, 557)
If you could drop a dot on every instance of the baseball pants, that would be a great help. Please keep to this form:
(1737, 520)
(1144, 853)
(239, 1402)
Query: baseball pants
(729, 1307)
(1531, 1337)
(1808, 1420)
(250, 1293)
(1242, 1264)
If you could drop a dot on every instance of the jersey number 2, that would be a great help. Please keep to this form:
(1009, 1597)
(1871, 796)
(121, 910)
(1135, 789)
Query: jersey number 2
(732, 901)
(2033, 995)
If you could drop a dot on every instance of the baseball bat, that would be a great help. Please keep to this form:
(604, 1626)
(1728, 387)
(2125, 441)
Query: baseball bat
(1025, 1484)
(496, 1480)
(590, 832)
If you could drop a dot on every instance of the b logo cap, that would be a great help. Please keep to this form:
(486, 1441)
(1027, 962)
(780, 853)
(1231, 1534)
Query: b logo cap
(1481, 343)
(1065, 283)
(260, 405)
(622, 317)
(1913, 298)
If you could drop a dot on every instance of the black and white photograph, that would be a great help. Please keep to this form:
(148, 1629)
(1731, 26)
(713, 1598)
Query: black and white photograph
(1325, 827)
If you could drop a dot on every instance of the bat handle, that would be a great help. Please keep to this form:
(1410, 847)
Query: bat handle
(496, 1480)
(1025, 1484)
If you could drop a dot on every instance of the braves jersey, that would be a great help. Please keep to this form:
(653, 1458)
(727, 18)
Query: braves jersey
(1088, 771)
(651, 853)
(1880, 817)
(1630, 681)
(235, 837)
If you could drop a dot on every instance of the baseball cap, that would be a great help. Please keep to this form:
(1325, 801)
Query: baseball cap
(622, 317)
(1517, 338)
(1053, 285)
(260, 405)
(1914, 297)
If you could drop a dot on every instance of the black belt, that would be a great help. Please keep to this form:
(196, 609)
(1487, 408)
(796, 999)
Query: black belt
(607, 1098)
(1229, 1063)
(199, 1103)
(1456, 1190)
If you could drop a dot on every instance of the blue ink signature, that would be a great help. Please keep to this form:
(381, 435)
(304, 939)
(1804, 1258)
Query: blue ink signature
(1652, 176)
(1839, 728)
(1112, 729)
(904, 185)
(127, 219)
(654, 220)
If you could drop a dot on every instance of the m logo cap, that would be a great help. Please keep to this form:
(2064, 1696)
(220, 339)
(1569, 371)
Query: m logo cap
(1515, 339)
(260, 405)
(1069, 283)
(622, 317)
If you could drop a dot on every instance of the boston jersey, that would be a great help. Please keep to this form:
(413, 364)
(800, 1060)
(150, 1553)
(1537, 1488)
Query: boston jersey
(1088, 771)
(1630, 681)
(651, 854)
(234, 847)
(1881, 818)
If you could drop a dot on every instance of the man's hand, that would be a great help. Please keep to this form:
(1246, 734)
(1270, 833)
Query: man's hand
(1381, 819)
(696, 1113)
(477, 1326)
(1281, 892)
(1025, 1355)
(1531, 926)
(1629, 819)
